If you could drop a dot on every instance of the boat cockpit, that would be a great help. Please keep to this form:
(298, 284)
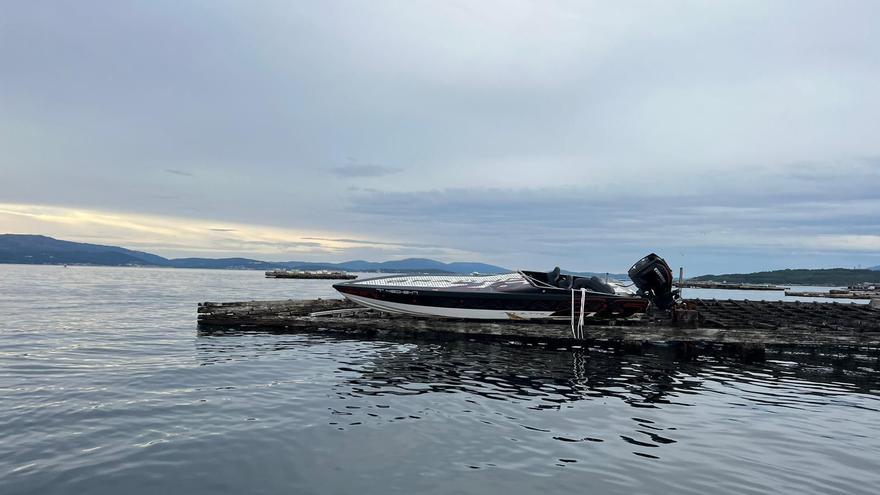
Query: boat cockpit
(558, 280)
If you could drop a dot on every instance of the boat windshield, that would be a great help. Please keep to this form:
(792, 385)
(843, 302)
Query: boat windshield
(556, 280)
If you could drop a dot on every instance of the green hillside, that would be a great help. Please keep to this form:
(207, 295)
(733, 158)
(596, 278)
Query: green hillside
(43, 250)
(826, 277)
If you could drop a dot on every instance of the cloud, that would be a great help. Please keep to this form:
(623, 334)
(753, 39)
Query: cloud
(364, 171)
(758, 209)
(178, 236)
(736, 135)
(365, 242)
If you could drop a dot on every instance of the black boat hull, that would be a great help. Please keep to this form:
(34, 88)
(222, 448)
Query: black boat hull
(525, 305)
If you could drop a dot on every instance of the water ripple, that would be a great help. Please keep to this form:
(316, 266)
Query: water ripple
(108, 387)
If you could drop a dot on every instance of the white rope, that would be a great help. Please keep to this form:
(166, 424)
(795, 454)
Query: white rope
(581, 319)
(538, 283)
(578, 332)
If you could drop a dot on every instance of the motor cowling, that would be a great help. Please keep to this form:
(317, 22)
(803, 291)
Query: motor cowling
(653, 278)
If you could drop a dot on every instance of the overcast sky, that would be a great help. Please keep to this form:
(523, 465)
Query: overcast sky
(725, 136)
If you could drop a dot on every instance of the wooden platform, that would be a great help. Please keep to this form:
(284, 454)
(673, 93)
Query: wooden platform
(310, 275)
(713, 321)
(837, 294)
(725, 285)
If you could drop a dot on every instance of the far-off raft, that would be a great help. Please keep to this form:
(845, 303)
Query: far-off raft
(312, 274)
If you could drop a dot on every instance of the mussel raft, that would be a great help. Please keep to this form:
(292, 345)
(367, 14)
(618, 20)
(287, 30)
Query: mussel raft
(694, 320)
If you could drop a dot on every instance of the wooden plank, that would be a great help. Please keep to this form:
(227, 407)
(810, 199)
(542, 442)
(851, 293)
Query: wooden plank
(744, 322)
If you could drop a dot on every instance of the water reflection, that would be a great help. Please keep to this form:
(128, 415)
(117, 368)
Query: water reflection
(544, 378)
(520, 386)
(641, 377)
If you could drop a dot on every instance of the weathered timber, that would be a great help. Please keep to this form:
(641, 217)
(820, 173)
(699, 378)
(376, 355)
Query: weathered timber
(700, 284)
(310, 275)
(836, 294)
(716, 321)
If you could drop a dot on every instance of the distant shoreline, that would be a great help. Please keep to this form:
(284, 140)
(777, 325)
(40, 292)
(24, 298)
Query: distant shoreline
(433, 272)
(30, 249)
(829, 277)
(241, 269)
(26, 249)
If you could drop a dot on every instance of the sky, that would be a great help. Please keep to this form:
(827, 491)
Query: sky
(725, 136)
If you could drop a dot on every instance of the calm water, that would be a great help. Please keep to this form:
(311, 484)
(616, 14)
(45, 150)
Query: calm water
(768, 295)
(107, 386)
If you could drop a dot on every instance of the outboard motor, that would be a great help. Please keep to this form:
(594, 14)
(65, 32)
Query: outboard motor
(653, 277)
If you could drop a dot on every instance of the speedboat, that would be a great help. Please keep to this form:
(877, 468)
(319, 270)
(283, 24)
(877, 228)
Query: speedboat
(520, 295)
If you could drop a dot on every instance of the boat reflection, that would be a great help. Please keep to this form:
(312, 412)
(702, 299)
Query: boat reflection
(507, 372)
(548, 376)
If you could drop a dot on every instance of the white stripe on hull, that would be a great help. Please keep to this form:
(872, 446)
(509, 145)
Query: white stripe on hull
(473, 314)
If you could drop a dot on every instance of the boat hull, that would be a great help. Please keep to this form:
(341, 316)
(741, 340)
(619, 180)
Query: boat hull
(534, 305)
(460, 312)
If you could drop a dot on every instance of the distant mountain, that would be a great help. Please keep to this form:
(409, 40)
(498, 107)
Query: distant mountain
(421, 264)
(876, 268)
(222, 263)
(38, 249)
(825, 277)
(43, 250)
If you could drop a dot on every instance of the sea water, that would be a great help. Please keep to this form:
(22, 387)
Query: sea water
(108, 386)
